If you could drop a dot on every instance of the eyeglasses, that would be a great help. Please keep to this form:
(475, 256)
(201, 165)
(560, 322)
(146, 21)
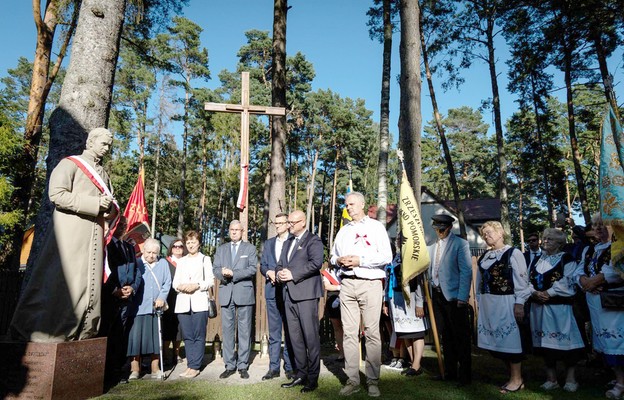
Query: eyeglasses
(280, 223)
(178, 246)
(294, 222)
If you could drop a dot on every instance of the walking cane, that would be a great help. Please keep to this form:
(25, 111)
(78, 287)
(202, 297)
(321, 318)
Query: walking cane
(159, 313)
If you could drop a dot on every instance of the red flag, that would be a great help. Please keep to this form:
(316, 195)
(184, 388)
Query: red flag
(136, 214)
(242, 194)
(136, 211)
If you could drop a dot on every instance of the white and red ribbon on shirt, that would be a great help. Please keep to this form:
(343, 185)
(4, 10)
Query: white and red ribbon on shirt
(97, 180)
(241, 203)
(363, 238)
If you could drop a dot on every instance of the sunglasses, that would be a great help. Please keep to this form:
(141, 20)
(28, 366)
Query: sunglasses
(178, 246)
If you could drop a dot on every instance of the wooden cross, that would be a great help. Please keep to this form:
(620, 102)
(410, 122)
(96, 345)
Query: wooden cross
(245, 109)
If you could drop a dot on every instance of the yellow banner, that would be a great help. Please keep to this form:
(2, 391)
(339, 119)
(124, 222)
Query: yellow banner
(414, 253)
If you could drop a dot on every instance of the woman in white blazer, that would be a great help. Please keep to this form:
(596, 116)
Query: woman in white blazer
(192, 280)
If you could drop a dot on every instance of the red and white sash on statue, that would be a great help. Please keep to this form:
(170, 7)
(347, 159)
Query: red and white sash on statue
(97, 180)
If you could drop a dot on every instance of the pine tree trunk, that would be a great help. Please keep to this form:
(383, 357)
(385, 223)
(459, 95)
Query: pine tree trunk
(182, 201)
(40, 85)
(607, 79)
(87, 90)
(410, 119)
(311, 191)
(442, 133)
(540, 143)
(277, 190)
(576, 155)
(332, 212)
(498, 127)
(384, 118)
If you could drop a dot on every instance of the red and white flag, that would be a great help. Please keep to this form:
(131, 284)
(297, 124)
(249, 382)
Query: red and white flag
(242, 193)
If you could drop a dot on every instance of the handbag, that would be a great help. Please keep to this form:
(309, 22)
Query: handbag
(212, 304)
(612, 299)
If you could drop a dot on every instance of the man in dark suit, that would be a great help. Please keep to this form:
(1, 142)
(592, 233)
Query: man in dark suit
(534, 252)
(531, 257)
(274, 300)
(450, 272)
(235, 267)
(299, 271)
(122, 283)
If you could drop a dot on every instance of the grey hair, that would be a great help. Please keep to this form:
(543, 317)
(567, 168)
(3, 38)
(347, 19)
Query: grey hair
(356, 194)
(235, 222)
(151, 242)
(556, 234)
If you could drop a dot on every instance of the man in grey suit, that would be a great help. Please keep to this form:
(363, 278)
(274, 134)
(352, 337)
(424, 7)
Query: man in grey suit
(299, 270)
(450, 272)
(235, 267)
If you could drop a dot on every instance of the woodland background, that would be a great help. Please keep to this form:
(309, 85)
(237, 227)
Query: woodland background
(541, 162)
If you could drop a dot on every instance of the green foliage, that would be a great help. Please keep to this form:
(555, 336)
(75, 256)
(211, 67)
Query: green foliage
(10, 146)
(473, 153)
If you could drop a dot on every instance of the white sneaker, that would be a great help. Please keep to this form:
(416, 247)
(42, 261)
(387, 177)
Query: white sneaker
(616, 392)
(134, 375)
(571, 387)
(548, 385)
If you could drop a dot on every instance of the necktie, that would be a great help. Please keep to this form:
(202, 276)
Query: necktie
(122, 249)
(292, 248)
(437, 264)
(234, 246)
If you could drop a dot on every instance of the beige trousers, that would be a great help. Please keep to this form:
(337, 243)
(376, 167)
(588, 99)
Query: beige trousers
(360, 297)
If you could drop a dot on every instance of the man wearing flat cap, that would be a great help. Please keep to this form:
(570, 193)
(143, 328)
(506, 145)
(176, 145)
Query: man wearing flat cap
(450, 272)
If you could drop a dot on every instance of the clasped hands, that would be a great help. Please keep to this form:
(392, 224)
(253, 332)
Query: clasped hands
(188, 288)
(591, 285)
(123, 293)
(541, 296)
(348, 261)
(284, 275)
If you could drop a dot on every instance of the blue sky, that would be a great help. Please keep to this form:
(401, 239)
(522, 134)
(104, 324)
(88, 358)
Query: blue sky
(331, 33)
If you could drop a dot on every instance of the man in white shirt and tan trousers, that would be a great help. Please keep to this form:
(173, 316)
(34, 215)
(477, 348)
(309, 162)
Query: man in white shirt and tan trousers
(361, 250)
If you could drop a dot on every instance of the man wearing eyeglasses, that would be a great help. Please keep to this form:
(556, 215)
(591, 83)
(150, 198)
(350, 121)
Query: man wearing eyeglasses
(362, 251)
(235, 267)
(450, 272)
(299, 271)
(534, 252)
(275, 302)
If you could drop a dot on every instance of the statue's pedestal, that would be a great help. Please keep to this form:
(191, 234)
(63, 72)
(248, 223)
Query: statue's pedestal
(66, 370)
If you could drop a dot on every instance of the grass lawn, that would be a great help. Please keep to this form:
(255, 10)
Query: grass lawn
(488, 373)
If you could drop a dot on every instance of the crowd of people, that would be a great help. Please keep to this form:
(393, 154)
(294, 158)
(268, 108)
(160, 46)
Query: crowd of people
(526, 303)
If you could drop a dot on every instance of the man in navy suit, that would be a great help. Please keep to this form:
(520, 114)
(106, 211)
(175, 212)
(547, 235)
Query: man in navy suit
(122, 283)
(274, 300)
(450, 272)
(235, 267)
(299, 271)
(534, 252)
